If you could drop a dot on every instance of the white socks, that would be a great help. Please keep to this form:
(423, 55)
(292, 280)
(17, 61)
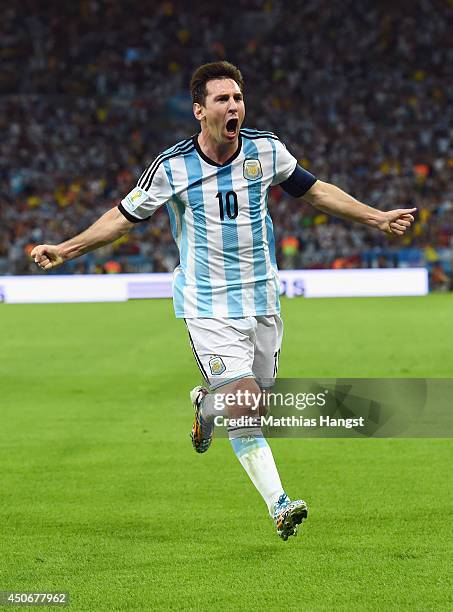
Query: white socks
(253, 452)
(256, 458)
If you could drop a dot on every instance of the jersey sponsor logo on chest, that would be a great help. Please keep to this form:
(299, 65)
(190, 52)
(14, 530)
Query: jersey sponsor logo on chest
(252, 169)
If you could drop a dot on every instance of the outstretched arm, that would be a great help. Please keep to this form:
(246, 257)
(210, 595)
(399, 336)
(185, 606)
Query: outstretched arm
(332, 200)
(108, 228)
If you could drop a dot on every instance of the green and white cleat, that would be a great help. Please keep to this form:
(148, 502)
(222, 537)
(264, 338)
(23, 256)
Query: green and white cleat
(288, 515)
(201, 434)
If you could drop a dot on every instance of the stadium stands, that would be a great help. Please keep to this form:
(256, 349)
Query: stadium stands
(90, 91)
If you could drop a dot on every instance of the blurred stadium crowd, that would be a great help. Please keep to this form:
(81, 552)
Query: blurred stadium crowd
(360, 92)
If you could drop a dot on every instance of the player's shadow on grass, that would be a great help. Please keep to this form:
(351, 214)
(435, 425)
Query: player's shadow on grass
(155, 530)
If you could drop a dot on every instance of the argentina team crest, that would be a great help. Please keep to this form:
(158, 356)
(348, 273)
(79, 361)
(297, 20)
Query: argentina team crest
(252, 169)
(216, 365)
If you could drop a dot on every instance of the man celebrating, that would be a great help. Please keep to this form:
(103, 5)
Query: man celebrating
(215, 188)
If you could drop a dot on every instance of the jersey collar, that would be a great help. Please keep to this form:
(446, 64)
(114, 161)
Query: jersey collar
(210, 161)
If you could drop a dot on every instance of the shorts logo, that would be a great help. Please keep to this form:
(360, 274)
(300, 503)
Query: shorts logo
(252, 169)
(216, 366)
(135, 198)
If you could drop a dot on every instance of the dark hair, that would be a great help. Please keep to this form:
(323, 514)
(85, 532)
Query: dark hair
(208, 72)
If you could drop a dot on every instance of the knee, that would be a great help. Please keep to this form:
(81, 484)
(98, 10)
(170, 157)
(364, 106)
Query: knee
(242, 397)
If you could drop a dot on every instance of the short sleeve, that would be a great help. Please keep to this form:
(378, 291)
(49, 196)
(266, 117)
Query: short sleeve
(285, 163)
(152, 191)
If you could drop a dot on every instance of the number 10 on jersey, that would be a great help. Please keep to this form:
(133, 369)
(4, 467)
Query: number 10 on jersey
(228, 205)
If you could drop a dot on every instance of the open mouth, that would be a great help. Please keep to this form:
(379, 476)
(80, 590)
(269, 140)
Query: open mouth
(231, 126)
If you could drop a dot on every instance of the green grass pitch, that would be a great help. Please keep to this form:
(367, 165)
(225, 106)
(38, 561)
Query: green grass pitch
(102, 495)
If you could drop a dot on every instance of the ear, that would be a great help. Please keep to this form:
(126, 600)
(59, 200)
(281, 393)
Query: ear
(198, 111)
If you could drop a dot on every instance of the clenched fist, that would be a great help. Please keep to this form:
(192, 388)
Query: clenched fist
(397, 221)
(47, 256)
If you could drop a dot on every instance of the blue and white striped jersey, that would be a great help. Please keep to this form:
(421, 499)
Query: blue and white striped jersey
(220, 222)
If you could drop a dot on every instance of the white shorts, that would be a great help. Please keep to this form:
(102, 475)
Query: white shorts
(229, 349)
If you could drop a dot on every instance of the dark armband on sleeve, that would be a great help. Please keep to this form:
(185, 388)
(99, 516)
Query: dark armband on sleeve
(299, 182)
(128, 215)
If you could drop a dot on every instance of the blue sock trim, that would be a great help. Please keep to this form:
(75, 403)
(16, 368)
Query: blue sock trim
(246, 444)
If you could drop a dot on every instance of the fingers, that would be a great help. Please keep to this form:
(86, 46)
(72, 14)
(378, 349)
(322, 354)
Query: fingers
(37, 252)
(403, 222)
(44, 263)
(42, 257)
(398, 228)
(405, 213)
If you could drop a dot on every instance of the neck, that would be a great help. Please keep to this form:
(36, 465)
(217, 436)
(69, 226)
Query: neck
(218, 152)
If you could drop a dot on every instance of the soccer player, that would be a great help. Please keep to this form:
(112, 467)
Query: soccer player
(215, 187)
